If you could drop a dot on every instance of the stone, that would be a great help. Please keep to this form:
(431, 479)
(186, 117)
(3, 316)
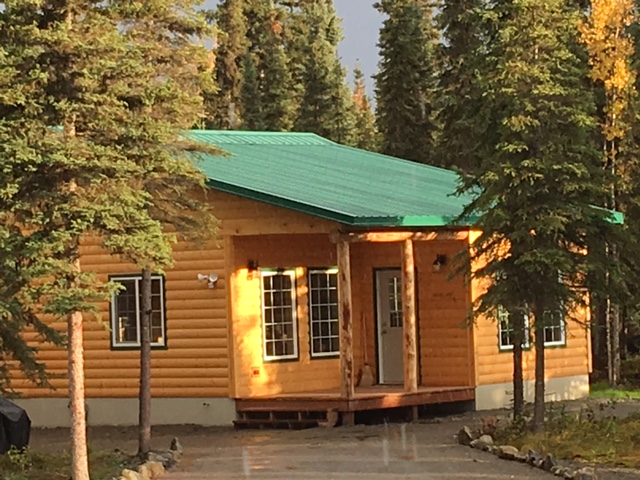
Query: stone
(520, 457)
(569, 474)
(130, 475)
(507, 452)
(144, 472)
(465, 436)
(167, 459)
(176, 446)
(485, 442)
(156, 468)
(548, 462)
(586, 473)
(533, 457)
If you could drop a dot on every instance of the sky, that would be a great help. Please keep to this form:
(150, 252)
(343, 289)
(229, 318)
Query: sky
(361, 24)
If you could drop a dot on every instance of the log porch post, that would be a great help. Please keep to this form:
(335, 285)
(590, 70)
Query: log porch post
(345, 316)
(409, 318)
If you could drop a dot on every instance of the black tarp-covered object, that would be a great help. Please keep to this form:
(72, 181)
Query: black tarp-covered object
(15, 426)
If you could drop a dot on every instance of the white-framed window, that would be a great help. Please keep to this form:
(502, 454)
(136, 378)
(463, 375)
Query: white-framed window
(126, 312)
(279, 319)
(506, 330)
(323, 312)
(554, 329)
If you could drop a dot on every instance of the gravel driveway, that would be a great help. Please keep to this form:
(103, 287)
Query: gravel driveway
(424, 450)
(421, 450)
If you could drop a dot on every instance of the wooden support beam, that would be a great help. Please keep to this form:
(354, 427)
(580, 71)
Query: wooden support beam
(410, 344)
(388, 237)
(345, 315)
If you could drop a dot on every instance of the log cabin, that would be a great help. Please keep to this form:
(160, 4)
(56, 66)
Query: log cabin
(327, 293)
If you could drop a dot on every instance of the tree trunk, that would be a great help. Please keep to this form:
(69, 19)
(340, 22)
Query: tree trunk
(538, 402)
(517, 319)
(79, 459)
(599, 336)
(79, 456)
(144, 410)
(614, 379)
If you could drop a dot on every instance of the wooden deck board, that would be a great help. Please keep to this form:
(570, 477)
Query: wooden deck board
(372, 398)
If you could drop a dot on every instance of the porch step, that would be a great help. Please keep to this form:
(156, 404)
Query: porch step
(285, 419)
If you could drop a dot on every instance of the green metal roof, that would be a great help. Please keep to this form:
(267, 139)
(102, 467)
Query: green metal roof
(313, 175)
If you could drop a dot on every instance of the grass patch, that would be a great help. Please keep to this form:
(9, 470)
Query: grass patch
(589, 435)
(32, 465)
(603, 390)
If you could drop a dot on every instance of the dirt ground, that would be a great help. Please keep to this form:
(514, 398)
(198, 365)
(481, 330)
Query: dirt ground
(423, 450)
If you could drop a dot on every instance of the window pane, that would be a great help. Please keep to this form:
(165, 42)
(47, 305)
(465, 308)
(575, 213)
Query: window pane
(125, 323)
(506, 331)
(126, 312)
(278, 315)
(323, 313)
(395, 302)
(554, 328)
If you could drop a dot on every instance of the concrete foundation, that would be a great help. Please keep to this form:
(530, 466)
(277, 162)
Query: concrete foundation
(54, 412)
(500, 395)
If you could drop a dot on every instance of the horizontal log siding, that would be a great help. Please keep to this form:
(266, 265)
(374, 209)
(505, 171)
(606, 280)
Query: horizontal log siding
(253, 375)
(195, 364)
(241, 217)
(495, 366)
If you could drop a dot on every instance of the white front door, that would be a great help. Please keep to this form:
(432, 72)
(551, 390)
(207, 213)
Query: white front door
(389, 313)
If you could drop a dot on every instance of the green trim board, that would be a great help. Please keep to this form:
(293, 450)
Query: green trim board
(310, 174)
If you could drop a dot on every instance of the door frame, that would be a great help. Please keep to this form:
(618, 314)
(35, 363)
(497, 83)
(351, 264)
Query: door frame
(376, 324)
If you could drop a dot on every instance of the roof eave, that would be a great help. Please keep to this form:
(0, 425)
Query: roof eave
(339, 217)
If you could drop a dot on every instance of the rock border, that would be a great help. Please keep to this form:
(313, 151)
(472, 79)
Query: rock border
(548, 463)
(156, 464)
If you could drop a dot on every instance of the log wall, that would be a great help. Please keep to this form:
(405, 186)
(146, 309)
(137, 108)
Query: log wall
(494, 366)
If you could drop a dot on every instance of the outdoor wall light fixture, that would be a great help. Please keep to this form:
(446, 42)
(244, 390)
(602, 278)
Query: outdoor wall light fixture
(211, 279)
(252, 265)
(439, 262)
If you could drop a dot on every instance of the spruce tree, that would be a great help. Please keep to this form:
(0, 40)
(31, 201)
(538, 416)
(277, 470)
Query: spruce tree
(94, 101)
(405, 85)
(365, 126)
(230, 51)
(273, 83)
(539, 182)
(464, 110)
(325, 105)
(251, 96)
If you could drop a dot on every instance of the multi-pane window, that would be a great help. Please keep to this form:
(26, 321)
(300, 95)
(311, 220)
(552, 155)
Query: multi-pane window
(554, 330)
(395, 302)
(126, 312)
(506, 330)
(554, 333)
(323, 312)
(279, 315)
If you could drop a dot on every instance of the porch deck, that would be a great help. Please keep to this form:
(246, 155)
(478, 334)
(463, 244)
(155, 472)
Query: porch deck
(328, 402)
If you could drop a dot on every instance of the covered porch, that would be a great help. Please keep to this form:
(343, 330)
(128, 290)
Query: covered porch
(410, 393)
(405, 373)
